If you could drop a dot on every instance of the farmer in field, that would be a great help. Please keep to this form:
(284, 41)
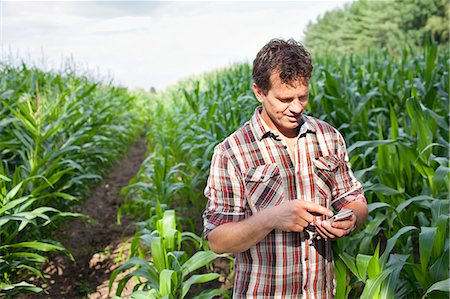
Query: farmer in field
(273, 184)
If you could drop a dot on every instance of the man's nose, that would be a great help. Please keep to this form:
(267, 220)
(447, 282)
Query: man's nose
(297, 106)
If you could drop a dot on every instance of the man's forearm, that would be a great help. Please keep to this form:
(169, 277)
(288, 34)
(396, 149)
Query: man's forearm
(239, 236)
(293, 216)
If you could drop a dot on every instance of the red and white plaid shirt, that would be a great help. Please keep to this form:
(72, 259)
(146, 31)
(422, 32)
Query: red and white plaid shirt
(252, 170)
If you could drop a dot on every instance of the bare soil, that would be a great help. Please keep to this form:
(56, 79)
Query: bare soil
(96, 246)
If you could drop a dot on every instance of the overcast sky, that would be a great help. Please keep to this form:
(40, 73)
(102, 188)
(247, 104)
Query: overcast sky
(149, 43)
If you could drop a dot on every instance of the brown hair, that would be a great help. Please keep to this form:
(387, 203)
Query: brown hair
(289, 58)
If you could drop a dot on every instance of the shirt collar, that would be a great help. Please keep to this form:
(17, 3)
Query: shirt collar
(262, 130)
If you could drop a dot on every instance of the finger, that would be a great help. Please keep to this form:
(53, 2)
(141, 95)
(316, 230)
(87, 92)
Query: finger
(345, 224)
(322, 235)
(298, 227)
(307, 217)
(303, 222)
(336, 232)
(318, 209)
(323, 231)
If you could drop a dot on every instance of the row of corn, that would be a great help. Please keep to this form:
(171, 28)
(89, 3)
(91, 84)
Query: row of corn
(59, 132)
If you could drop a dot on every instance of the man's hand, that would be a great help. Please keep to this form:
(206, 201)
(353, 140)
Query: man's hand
(295, 215)
(337, 229)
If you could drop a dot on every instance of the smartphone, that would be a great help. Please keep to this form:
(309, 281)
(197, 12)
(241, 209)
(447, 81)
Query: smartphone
(343, 214)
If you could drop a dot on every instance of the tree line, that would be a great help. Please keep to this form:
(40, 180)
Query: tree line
(390, 24)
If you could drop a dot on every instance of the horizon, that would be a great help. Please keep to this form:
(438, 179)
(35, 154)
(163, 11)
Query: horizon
(144, 44)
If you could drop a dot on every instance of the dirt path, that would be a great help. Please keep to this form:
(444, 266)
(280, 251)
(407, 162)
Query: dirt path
(95, 246)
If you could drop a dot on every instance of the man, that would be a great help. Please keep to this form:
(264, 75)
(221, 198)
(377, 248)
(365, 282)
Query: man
(272, 184)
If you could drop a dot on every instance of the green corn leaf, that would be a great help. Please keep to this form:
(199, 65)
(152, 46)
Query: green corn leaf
(196, 240)
(26, 255)
(170, 238)
(383, 189)
(373, 285)
(426, 239)
(24, 139)
(441, 241)
(10, 195)
(41, 246)
(368, 143)
(4, 178)
(340, 271)
(12, 204)
(198, 260)
(443, 286)
(22, 285)
(394, 123)
(159, 255)
(167, 282)
(370, 231)
(439, 208)
(402, 206)
(376, 205)
(5, 219)
(152, 294)
(350, 262)
(391, 243)
(31, 269)
(122, 283)
(133, 262)
(149, 274)
(373, 267)
(440, 174)
(362, 262)
(209, 294)
(394, 282)
(202, 278)
(26, 118)
(430, 63)
(439, 269)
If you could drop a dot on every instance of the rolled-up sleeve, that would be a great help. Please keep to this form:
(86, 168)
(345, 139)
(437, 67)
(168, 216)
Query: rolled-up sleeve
(347, 188)
(224, 191)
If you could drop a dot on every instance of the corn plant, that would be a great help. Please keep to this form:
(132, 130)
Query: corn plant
(20, 257)
(170, 273)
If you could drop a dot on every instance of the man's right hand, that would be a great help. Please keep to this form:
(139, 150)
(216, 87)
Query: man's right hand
(294, 215)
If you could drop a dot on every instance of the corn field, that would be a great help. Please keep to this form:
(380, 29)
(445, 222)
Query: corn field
(393, 112)
(59, 133)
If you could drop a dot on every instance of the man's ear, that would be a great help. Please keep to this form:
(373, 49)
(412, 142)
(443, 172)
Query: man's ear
(259, 94)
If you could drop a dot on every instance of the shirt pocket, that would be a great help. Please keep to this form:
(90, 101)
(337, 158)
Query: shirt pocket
(325, 168)
(264, 187)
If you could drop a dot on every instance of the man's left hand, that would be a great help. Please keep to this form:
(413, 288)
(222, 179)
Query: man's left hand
(337, 229)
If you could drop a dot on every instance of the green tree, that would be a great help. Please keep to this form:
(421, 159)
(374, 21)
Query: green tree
(367, 24)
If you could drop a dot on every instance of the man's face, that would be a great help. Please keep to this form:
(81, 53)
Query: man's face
(283, 105)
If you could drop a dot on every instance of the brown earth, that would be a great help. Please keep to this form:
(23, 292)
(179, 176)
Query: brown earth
(95, 246)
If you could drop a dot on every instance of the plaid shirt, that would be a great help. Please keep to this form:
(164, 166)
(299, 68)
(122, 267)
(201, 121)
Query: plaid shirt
(252, 170)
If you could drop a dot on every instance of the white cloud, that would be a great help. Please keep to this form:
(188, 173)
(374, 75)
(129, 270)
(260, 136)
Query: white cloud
(147, 44)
